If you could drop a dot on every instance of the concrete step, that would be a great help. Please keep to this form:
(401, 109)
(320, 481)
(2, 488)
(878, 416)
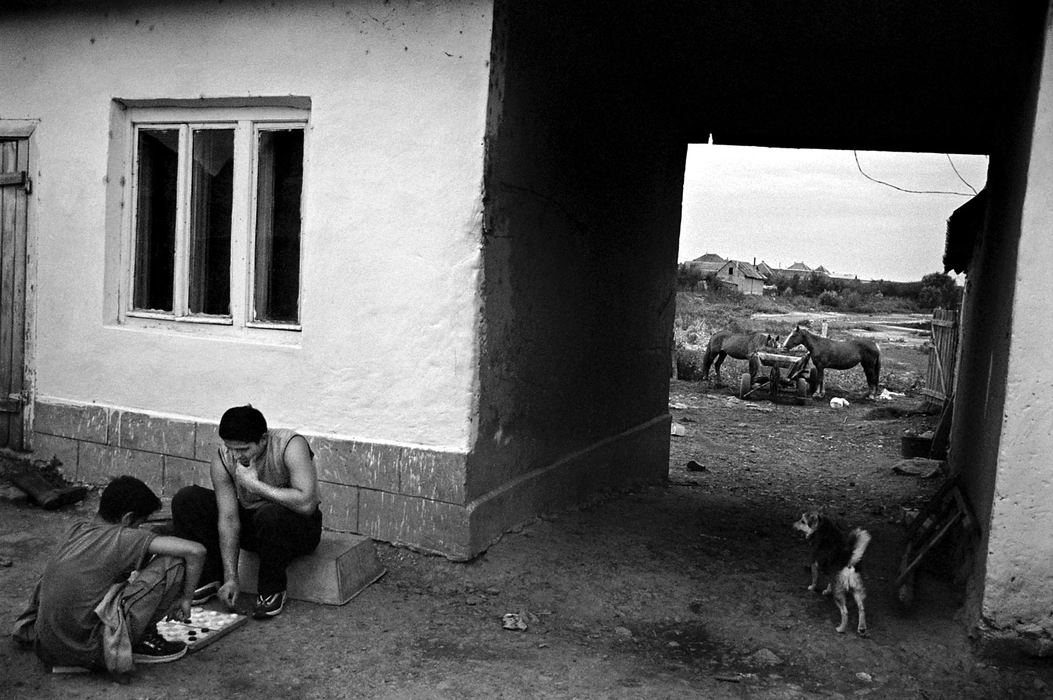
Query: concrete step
(340, 568)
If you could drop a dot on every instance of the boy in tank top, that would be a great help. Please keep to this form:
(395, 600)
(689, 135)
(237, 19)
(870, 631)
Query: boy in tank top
(264, 498)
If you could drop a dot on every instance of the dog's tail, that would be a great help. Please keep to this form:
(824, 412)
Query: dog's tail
(860, 540)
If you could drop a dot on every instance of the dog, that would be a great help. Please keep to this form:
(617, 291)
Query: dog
(838, 554)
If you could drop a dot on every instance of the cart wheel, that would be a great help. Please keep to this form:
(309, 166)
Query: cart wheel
(802, 391)
(744, 385)
(773, 388)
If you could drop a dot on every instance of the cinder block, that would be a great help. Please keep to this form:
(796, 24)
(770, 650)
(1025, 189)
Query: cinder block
(74, 421)
(45, 447)
(432, 526)
(340, 568)
(99, 463)
(181, 472)
(339, 506)
(147, 433)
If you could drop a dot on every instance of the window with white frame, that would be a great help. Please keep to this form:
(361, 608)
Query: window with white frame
(216, 215)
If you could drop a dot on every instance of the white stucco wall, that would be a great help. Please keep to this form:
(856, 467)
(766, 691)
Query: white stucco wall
(392, 206)
(1019, 575)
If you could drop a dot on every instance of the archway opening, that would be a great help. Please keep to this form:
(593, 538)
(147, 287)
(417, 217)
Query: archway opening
(842, 243)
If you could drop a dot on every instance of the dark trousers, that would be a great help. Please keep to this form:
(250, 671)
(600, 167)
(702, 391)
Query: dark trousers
(275, 533)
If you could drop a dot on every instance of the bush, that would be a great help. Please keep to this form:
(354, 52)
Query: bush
(689, 364)
(830, 299)
(687, 276)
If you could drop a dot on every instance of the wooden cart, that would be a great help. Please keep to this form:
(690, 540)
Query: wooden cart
(778, 372)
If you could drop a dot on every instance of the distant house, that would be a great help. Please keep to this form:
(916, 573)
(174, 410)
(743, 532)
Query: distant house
(742, 276)
(705, 264)
(765, 270)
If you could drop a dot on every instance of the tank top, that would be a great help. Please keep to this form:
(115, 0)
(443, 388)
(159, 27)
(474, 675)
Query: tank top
(270, 466)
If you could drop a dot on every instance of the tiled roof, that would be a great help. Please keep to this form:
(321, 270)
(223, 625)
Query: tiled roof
(746, 269)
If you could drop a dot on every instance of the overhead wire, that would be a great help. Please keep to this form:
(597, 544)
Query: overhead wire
(959, 174)
(855, 154)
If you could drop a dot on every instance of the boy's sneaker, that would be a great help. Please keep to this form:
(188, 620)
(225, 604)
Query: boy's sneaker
(268, 606)
(155, 649)
(205, 593)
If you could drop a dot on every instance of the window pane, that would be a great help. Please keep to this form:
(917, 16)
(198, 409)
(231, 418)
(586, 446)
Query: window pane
(155, 219)
(279, 184)
(211, 191)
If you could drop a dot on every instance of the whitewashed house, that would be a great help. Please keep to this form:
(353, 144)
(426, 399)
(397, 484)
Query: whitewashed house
(405, 228)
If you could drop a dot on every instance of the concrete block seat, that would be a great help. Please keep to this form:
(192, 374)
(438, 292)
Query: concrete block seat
(340, 568)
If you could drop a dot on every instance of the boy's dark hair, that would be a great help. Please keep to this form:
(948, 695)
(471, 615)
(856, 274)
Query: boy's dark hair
(242, 424)
(126, 494)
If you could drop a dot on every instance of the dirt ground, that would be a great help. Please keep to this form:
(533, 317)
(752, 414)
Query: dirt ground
(693, 588)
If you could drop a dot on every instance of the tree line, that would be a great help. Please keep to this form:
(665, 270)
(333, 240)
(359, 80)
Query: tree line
(934, 290)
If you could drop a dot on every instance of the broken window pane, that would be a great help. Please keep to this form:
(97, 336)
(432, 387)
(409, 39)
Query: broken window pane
(211, 192)
(277, 261)
(155, 219)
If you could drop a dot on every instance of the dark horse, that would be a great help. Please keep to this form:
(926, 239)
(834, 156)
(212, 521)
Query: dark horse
(838, 354)
(738, 345)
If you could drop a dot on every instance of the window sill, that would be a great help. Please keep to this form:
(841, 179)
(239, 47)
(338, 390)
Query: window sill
(210, 328)
(161, 316)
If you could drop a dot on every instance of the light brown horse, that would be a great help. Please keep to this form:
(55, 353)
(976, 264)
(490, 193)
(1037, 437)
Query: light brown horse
(838, 354)
(738, 345)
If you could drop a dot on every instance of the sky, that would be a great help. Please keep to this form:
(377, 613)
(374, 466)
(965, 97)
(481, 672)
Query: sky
(813, 206)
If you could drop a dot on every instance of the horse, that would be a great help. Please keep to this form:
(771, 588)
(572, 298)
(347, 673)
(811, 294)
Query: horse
(739, 345)
(838, 354)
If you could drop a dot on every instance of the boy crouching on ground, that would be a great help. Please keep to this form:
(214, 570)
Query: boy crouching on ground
(101, 595)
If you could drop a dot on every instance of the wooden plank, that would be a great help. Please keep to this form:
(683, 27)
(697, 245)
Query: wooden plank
(17, 428)
(13, 179)
(769, 359)
(930, 542)
(8, 159)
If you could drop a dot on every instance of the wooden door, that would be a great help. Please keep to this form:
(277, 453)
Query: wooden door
(14, 191)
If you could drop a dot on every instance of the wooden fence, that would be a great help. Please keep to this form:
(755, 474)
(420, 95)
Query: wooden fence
(939, 379)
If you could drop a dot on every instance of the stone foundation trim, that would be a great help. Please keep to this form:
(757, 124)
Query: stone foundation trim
(411, 471)
(430, 526)
(93, 442)
(425, 511)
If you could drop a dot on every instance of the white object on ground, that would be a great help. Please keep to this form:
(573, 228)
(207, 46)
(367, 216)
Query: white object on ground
(513, 621)
(838, 402)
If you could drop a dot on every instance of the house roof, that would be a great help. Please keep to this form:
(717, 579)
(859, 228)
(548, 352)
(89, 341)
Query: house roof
(747, 270)
(710, 262)
(963, 230)
(799, 267)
